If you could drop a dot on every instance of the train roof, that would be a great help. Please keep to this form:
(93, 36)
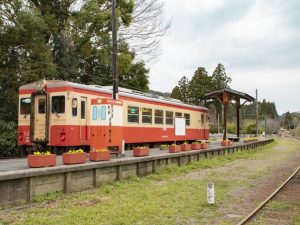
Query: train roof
(108, 90)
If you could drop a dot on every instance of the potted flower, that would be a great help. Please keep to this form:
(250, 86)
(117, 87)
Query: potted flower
(226, 142)
(247, 140)
(102, 154)
(41, 159)
(185, 147)
(74, 157)
(195, 145)
(203, 145)
(164, 147)
(140, 151)
(173, 148)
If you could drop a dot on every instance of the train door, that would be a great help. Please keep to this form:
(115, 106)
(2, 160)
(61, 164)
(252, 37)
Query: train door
(83, 120)
(202, 127)
(97, 141)
(107, 124)
(39, 113)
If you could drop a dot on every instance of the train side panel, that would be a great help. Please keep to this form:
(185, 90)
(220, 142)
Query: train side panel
(71, 122)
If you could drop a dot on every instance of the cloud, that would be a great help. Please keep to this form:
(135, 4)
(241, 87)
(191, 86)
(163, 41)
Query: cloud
(257, 38)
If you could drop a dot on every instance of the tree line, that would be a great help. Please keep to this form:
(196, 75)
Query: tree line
(193, 92)
(71, 40)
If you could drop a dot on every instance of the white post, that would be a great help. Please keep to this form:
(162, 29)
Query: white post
(123, 147)
(210, 193)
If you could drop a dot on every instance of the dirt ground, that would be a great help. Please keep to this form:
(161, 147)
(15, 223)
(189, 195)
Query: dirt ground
(261, 177)
(284, 208)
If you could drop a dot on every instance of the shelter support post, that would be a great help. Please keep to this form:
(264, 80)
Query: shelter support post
(238, 106)
(225, 121)
(225, 104)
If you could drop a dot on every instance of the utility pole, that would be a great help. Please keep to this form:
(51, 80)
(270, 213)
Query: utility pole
(218, 123)
(265, 124)
(114, 50)
(256, 114)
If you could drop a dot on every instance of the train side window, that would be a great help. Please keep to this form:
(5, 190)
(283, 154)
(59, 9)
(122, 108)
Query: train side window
(42, 106)
(58, 104)
(103, 112)
(202, 118)
(159, 116)
(25, 106)
(178, 114)
(82, 109)
(74, 106)
(99, 113)
(187, 119)
(207, 118)
(146, 115)
(169, 117)
(133, 114)
(94, 112)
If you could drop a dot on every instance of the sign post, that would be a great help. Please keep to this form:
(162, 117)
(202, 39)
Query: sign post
(210, 193)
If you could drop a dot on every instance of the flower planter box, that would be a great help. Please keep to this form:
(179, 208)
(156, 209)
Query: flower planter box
(226, 143)
(139, 152)
(174, 149)
(185, 147)
(74, 158)
(36, 161)
(99, 156)
(195, 146)
(204, 145)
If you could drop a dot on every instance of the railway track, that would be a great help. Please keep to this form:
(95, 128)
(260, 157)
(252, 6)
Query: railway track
(281, 207)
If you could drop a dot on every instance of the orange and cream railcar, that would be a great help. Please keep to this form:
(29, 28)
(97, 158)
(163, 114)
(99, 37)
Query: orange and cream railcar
(64, 115)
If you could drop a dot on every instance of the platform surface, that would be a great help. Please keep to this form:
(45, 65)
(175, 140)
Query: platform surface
(10, 165)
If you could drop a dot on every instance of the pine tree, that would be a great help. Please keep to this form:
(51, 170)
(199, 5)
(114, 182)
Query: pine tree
(200, 84)
(184, 88)
(219, 78)
(176, 93)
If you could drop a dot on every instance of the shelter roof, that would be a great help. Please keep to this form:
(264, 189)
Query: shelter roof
(233, 94)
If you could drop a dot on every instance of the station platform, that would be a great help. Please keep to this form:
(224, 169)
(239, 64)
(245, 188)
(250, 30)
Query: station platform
(9, 165)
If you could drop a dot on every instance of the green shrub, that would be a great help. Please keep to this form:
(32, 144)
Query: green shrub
(8, 139)
(231, 128)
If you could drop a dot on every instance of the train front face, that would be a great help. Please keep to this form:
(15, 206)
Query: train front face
(33, 119)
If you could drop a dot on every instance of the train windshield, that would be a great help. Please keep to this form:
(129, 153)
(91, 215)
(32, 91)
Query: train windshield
(25, 105)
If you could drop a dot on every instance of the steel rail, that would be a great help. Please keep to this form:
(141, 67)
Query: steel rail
(258, 208)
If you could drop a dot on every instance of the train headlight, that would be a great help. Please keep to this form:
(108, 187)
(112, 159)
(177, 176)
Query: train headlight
(41, 85)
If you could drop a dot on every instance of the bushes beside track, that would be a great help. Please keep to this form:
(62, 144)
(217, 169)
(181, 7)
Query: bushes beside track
(8, 139)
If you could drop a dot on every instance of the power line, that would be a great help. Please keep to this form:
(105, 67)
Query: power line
(163, 73)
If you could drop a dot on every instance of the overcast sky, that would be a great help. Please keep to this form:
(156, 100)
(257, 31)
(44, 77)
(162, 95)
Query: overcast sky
(258, 42)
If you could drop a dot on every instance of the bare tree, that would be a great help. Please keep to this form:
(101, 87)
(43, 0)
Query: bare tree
(146, 29)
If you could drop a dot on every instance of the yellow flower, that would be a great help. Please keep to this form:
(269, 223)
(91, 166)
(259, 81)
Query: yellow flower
(75, 151)
(42, 153)
(102, 150)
